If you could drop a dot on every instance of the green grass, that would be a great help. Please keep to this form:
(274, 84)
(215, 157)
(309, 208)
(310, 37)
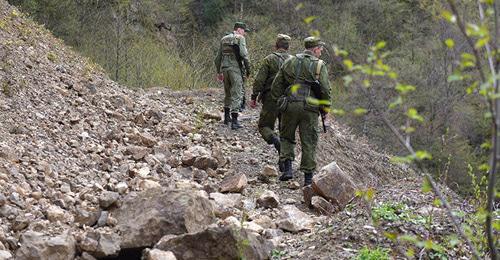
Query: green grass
(373, 254)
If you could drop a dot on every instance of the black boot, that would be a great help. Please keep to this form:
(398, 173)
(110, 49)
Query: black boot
(227, 116)
(243, 103)
(235, 124)
(308, 176)
(287, 173)
(276, 142)
(281, 166)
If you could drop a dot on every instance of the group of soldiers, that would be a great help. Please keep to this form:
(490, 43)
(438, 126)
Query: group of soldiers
(293, 89)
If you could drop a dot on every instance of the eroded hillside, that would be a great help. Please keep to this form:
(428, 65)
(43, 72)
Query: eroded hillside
(90, 169)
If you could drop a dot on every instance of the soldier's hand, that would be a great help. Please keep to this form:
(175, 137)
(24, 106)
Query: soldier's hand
(220, 77)
(328, 120)
(253, 103)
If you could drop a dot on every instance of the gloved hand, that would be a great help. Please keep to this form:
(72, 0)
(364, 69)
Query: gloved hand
(220, 77)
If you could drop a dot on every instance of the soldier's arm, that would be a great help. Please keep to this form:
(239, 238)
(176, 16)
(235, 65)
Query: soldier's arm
(325, 86)
(218, 59)
(244, 55)
(260, 79)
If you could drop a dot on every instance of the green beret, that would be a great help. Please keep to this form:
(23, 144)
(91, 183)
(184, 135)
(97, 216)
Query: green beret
(241, 25)
(311, 42)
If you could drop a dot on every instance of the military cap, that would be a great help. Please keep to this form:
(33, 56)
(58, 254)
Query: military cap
(311, 42)
(241, 25)
(283, 38)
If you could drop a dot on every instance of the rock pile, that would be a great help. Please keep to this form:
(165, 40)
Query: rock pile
(90, 169)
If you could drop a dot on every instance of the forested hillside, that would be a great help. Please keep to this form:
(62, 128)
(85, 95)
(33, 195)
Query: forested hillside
(114, 147)
(172, 43)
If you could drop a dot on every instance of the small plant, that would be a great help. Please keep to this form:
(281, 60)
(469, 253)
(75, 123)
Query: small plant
(277, 254)
(6, 89)
(395, 212)
(52, 56)
(373, 254)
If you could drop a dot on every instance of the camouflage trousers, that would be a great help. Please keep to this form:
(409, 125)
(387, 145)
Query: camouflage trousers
(233, 90)
(267, 119)
(307, 122)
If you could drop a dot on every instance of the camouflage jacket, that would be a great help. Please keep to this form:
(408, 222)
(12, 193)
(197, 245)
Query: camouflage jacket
(226, 59)
(268, 70)
(307, 70)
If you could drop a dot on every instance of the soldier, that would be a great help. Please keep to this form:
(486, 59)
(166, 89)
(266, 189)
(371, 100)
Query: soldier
(262, 89)
(231, 58)
(299, 88)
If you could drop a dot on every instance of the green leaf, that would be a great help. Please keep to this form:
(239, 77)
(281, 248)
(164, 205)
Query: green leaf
(315, 33)
(347, 80)
(486, 145)
(455, 77)
(395, 103)
(295, 88)
(404, 89)
(423, 155)
(449, 16)
(496, 224)
(360, 111)
(408, 129)
(449, 43)
(380, 45)
(481, 42)
(484, 167)
(348, 63)
(340, 52)
(426, 186)
(338, 112)
(299, 6)
(413, 114)
(401, 160)
(391, 236)
(366, 83)
(369, 194)
(310, 19)
(472, 87)
(437, 203)
(393, 75)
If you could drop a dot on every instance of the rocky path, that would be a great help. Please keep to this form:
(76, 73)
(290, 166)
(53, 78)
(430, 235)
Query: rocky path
(93, 170)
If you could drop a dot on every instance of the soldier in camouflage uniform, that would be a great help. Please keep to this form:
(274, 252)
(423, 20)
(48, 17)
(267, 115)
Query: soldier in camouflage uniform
(299, 102)
(229, 62)
(262, 89)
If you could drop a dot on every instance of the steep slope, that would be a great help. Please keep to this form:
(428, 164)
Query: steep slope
(69, 137)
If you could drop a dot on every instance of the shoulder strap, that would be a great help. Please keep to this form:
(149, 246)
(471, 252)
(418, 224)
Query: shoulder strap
(298, 67)
(318, 69)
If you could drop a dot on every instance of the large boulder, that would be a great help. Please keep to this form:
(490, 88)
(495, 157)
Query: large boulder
(234, 183)
(145, 217)
(36, 245)
(294, 220)
(100, 243)
(156, 254)
(189, 156)
(334, 185)
(226, 204)
(268, 199)
(217, 243)
(5, 255)
(322, 206)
